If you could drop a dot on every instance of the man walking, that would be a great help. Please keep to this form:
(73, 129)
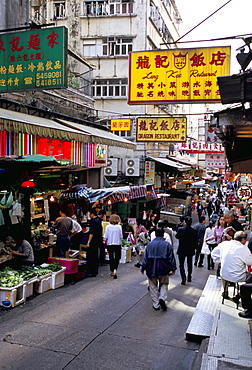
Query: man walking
(158, 262)
(63, 225)
(200, 228)
(95, 241)
(187, 237)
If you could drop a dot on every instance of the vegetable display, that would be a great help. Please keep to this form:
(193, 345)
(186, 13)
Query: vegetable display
(10, 277)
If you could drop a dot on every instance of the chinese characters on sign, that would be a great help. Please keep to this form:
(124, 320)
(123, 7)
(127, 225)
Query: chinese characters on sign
(33, 59)
(149, 177)
(244, 192)
(185, 75)
(120, 124)
(200, 147)
(161, 129)
(215, 161)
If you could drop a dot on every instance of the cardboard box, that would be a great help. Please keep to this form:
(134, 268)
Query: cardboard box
(125, 255)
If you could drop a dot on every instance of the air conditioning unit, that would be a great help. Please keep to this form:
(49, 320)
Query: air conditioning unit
(132, 167)
(112, 167)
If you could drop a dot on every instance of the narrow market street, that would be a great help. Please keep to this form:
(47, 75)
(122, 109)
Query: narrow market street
(102, 323)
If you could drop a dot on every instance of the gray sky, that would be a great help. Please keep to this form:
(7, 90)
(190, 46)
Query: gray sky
(233, 19)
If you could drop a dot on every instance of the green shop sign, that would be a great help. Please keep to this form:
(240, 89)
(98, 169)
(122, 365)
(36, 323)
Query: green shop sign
(34, 59)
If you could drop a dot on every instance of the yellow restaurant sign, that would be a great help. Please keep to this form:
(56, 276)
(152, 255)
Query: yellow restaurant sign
(159, 129)
(120, 124)
(177, 75)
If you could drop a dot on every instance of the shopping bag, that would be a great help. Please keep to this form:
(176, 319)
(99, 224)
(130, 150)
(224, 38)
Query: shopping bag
(205, 249)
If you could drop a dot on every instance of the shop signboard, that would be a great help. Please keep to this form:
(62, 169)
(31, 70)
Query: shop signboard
(215, 161)
(34, 59)
(177, 75)
(149, 177)
(244, 192)
(160, 129)
(123, 124)
(57, 148)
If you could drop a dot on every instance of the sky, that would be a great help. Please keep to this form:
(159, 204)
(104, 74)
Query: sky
(233, 19)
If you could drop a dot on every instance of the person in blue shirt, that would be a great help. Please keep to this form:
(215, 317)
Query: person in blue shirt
(158, 262)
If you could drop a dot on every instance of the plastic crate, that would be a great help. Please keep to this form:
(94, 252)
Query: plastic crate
(58, 278)
(16, 295)
(30, 284)
(44, 284)
(71, 264)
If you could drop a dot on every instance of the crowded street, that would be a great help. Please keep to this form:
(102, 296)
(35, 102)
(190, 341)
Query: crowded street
(99, 323)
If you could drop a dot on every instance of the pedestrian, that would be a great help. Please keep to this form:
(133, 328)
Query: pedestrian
(200, 227)
(141, 241)
(231, 221)
(113, 239)
(152, 224)
(102, 216)
(95, 241)
(210, 239)
(234, 256)
(63, 225)
(76, 235)
(187, 237)
(158, 262)
(246, 301)
(199, 209)
(218, 234)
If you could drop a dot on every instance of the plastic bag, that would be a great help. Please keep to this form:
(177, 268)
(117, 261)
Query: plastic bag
(131, 239)
(205, 249)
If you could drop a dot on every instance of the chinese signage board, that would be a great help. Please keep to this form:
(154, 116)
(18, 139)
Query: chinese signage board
(34, 59)
(57, 148)
(149, 177)
(160, 129)
(244, 192)
(215, 161)
(177, 75)
(200, 147)
(120, 124)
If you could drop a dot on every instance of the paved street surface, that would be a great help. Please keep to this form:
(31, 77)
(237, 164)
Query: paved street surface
(102, 323)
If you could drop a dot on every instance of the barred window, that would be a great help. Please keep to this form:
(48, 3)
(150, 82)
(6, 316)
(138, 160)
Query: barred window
(59, 9)
(110, 88)
(116, 46)
(110, 7)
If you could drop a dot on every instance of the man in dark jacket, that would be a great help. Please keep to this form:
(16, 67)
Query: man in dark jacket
(200, 227)
(187, 237)
(158, 262)
(95, 241)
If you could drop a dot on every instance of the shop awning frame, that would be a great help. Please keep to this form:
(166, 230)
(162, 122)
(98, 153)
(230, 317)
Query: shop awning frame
(20, 122)
(168, 162)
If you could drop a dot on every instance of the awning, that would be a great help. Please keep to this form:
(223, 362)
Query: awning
(21, 122)
(60, 129)
(170, 163)
(100, 136)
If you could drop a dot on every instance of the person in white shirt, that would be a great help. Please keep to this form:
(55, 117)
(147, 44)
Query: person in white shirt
(113, 239)
(234, 256)
(76, 234)
(167, 237)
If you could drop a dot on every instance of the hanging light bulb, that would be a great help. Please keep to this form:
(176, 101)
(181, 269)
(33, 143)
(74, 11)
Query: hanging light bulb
(126, 200)
(109, 202)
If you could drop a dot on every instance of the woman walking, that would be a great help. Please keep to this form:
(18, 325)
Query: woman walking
(113, 239)
(209, 238)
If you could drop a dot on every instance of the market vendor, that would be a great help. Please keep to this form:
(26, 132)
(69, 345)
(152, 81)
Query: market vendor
(24, 251)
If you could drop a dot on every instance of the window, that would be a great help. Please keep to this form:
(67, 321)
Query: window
(110, 88)
(116, 46)
(59, 9)
(110, 7)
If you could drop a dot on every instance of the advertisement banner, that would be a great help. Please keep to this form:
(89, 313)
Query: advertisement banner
(215, 161)
(149, 177)
(177, 75)
(34, 59)
(155, 129)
